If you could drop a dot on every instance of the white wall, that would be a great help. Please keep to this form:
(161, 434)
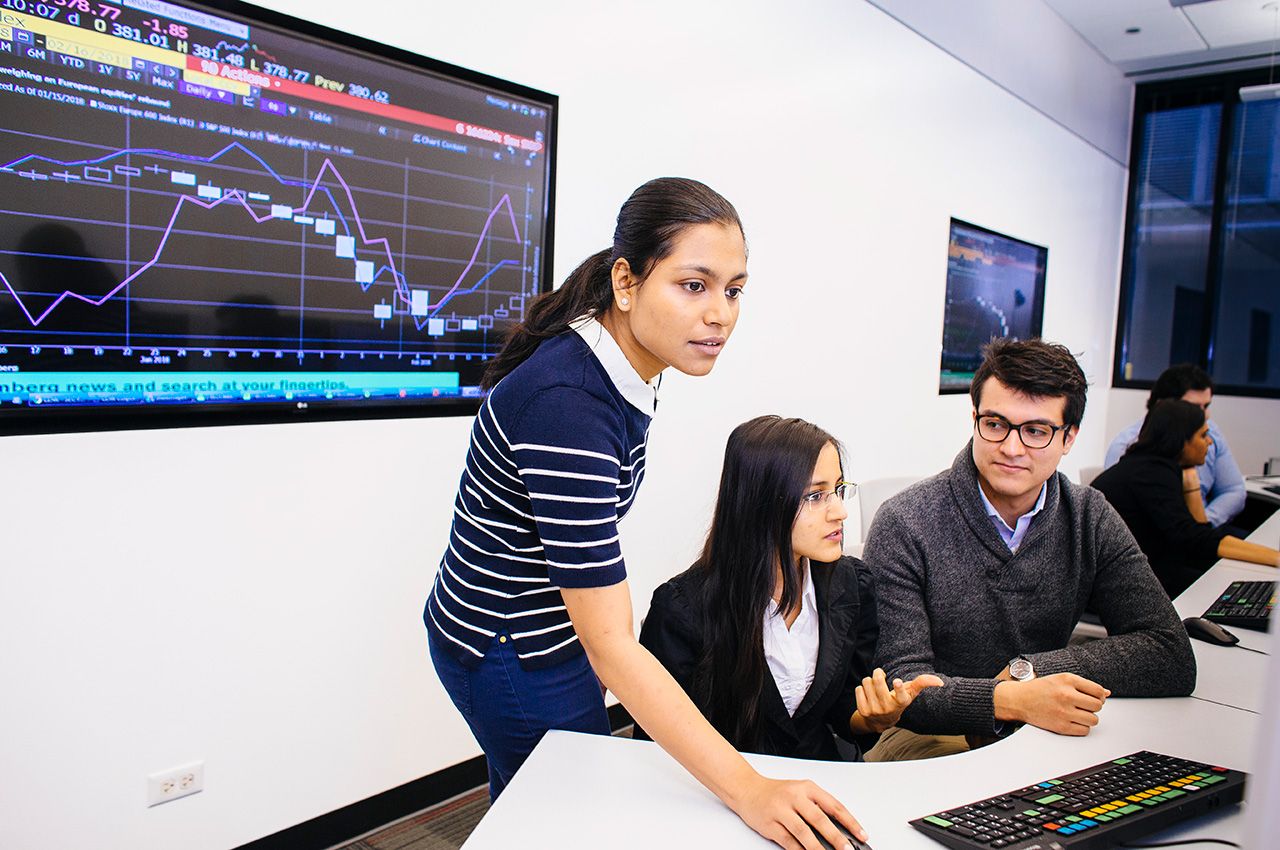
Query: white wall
(1024, 47)
(251, 596)
(1251, 425)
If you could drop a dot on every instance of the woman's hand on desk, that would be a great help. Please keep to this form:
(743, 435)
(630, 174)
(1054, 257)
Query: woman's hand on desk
(878, 707)
(788, 812)
(1063, 702)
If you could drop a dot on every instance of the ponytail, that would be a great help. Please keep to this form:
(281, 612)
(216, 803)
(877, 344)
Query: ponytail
(586, 292)
(648, 224)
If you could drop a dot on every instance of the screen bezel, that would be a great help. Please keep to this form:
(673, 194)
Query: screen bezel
(14, 422)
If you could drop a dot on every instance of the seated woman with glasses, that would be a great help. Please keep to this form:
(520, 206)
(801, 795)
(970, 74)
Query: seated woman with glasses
(1156, 489)
(771, 632)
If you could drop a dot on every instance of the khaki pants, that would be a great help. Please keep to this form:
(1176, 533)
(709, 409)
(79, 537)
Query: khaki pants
(898, 744)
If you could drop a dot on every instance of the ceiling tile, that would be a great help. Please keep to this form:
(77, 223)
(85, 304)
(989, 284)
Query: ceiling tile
(1081, 9)
(1163, 30)
(1224, 23)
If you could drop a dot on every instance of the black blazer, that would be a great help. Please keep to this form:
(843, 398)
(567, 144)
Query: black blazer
(847, 633)
(1147, 493)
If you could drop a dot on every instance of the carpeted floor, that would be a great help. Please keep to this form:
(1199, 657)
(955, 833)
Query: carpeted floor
(442, 827)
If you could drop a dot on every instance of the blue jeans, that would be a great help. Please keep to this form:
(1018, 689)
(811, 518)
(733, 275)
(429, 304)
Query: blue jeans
(510, 708)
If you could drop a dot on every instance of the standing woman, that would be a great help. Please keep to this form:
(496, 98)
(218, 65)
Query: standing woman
(531, 603)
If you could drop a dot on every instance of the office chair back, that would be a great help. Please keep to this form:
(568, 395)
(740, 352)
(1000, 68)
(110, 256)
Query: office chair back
(1088, 473)
(874, 493)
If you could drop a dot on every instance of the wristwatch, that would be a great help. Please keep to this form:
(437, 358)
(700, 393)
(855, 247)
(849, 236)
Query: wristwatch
(1020, 669)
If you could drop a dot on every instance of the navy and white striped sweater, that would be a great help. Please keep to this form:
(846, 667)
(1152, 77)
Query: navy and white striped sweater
(556, 456)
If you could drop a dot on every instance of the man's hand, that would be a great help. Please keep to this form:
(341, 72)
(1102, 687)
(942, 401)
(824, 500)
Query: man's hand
(1064, 703)
(878, 707)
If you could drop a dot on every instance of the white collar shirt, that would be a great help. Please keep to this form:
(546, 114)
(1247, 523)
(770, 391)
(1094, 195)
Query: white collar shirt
(792, 654)
(1012, 537)
(641, 394)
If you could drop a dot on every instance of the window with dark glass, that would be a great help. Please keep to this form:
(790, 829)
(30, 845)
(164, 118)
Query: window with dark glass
(1201, 276)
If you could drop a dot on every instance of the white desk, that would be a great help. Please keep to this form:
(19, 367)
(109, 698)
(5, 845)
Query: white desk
(1228, 674)
(585, 791)
(1256, 488)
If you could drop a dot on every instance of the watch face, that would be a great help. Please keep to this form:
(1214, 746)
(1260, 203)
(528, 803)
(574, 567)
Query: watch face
(1020, 669)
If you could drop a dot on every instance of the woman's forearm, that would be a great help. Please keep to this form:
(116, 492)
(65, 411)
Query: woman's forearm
(784, 811)
(1195, 503)
(1242, 550)
(666, 713)
(602, 619)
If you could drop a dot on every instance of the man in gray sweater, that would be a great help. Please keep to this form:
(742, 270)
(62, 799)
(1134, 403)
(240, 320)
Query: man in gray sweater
(983, 570)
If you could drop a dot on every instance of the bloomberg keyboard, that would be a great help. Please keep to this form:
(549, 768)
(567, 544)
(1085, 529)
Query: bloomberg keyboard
(1098, 807)
(1246, 604)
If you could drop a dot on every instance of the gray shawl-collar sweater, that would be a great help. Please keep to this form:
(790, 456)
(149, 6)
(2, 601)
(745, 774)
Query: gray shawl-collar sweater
(953, 600)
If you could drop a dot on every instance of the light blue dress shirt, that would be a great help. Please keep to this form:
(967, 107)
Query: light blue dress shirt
(1221, 483)
(1012, 537)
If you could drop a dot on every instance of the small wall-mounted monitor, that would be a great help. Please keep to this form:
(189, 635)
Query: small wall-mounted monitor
(213, 213)
(995, 288)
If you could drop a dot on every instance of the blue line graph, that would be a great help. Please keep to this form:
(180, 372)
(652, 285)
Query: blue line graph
(181, 157)
(218, 215)
(209, 197)
(479, 283)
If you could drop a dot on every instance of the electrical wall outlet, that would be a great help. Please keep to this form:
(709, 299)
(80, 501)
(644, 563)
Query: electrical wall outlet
(174, 783)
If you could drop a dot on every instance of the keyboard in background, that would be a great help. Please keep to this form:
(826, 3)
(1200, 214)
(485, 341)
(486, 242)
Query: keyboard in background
(1098, 807)
(1246, 604)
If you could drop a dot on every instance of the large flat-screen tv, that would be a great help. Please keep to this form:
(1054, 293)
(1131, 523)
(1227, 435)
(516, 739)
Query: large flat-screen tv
(214, 213)
(995, 288)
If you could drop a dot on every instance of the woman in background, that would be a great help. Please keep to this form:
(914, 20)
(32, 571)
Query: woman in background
(530, 603)
(1156, 490)
(772, 632)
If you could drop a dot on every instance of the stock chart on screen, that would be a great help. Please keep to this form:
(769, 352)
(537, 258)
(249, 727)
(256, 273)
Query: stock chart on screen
(218, 208)
(995, 288)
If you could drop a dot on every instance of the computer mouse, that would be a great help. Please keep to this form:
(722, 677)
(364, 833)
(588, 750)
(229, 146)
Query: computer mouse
(857, 845)
(1209, 632)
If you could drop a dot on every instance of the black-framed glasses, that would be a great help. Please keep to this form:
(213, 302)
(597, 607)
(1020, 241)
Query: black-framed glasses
(1034, 435)
(819, 499)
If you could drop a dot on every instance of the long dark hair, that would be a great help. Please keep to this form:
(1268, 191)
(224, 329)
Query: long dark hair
(1168, 426)
(768, 465)
(648, 225)
(1177, 381)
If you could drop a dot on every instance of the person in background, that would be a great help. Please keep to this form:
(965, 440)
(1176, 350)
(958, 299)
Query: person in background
(1156, 489)
(530, 611)
(983, 571)
(771, 632)
(1221, 483)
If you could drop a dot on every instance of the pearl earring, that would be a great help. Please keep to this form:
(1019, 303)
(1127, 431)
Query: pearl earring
(625, 302)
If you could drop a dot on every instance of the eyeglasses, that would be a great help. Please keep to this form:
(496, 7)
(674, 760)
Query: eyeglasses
(820, 499)
(1034, 435)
